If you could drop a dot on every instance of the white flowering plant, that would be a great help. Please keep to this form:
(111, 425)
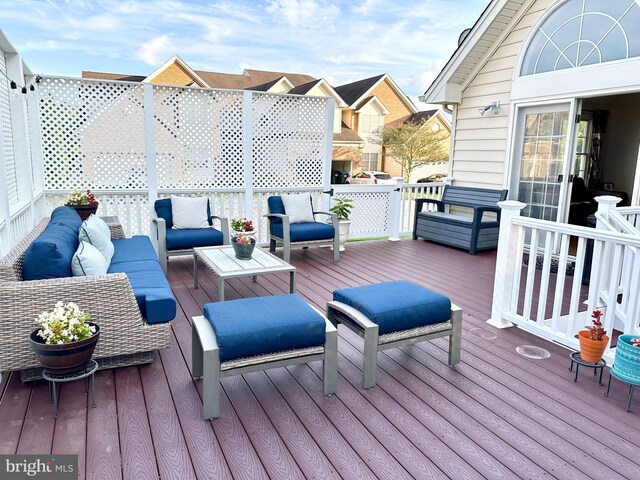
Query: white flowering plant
(66, 323)
(80, 197)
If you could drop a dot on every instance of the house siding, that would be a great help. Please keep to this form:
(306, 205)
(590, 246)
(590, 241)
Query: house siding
(174, 74)
(479, 153)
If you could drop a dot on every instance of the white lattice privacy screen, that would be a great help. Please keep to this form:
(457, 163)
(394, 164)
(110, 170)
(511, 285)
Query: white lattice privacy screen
(133, 143)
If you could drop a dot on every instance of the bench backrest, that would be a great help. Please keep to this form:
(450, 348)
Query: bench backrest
(471, 196)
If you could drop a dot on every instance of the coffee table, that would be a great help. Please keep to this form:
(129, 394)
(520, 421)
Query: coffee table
(224, 264)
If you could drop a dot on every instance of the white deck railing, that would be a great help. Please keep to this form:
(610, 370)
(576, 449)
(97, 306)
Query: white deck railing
(533, 287)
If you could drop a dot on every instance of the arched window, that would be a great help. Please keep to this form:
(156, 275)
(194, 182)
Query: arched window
(584, 32)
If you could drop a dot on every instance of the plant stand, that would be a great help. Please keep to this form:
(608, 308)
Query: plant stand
(632, 386)
(89, 370)
(577, 359)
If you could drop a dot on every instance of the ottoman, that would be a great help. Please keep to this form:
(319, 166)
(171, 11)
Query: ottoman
(254, 334)
(392, 314)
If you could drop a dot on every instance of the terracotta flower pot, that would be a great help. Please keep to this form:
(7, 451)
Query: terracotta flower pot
(591, 350)
(67, 357)
(85, 210)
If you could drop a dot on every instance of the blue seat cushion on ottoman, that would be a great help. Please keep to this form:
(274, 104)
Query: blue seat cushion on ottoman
(396, 306)
(50, 254)
(193, 237)
(138, 247)
(262, 325)
(150, 287)
(305, 232)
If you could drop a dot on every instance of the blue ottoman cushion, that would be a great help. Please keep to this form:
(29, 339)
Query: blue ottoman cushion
(193, 237)
(138, 247)
(305, 232)
(396, 306)
(256, 326)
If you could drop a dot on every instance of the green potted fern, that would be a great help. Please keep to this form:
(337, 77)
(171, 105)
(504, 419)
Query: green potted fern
(342, 208)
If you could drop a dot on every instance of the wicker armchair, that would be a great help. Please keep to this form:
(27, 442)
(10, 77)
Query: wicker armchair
(125, 339)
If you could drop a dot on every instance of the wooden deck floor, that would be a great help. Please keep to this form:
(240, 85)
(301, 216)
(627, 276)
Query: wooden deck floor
(496, 415)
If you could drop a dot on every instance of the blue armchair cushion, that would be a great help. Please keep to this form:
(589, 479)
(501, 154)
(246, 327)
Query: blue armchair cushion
(275, 206)
(163, 210)
(305, 232)
(193, 237)
(50, 254)
(137, 259)
(257, 326)
(138, 247)
(396, 306)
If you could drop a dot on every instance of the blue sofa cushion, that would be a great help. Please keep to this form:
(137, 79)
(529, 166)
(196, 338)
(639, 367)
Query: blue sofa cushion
(257, 326)
(138, 247)
(137, 259)
(396, 306)
(163, 210)
(193, 237)
(50, 254)
(305, 232)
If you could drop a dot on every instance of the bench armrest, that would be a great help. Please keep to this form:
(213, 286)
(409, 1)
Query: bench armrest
(158, 236)
(286, 234)
(478, 212)
(224, 228)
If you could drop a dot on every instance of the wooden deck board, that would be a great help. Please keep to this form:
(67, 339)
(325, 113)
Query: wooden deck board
(496, 415)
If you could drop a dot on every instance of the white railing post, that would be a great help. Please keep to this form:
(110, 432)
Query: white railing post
(247, 154)
(601, 257)
(395, 201)
(150, 138)
(507, 266)
(328, 153)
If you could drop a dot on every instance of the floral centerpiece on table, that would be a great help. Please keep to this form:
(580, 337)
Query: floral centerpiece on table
(83, 201)
(66, 323)
(243, 245)
(242, 225)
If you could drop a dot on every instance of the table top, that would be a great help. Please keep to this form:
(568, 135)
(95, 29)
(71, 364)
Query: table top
(222, 260)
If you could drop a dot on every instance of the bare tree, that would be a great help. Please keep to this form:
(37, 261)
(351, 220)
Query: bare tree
(413, 144)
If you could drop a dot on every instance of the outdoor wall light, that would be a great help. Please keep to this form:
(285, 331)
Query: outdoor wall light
(494, 107)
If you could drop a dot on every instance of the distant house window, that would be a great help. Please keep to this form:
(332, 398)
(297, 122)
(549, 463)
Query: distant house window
(370, 161)
(580, 33)
(370, 123)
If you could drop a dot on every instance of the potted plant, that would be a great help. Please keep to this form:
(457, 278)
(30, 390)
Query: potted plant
(627, 362)
(64, 340)
(342, 208)
(242, 225)
(243, 246)
(593, 340)
(83, 201)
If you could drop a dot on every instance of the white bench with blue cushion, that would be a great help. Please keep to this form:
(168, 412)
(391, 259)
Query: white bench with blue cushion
(392, 314)
(255, 334)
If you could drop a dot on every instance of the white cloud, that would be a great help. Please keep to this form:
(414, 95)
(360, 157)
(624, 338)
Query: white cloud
(156, 51)
(303, 12)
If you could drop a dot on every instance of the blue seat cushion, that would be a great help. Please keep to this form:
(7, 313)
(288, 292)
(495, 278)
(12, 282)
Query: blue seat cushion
(193, 237)
(305, 232)
(138, 247)
(396, 306)
(150, 287)
(50, 254)
(163, 210)
(257, 326)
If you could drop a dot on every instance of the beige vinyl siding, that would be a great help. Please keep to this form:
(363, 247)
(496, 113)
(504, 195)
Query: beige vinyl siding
(480, 142)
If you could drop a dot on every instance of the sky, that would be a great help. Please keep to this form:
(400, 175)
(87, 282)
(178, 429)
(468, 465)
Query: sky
(341, 41)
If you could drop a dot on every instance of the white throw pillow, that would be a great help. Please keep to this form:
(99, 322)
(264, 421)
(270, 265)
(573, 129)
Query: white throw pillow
(298, 208)
(88, 261)
(95, 231)
(189, 212)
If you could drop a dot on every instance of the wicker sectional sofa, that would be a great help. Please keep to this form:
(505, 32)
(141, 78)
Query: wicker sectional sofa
(126, 338)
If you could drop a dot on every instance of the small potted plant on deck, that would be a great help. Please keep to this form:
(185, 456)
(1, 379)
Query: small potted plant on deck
(65, 339)
(627, 362)
(83, 201)
(342, 208)
(593, 340)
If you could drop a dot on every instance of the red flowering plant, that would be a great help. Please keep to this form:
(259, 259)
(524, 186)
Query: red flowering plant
(242, 239)
(596, 330)
(80, 197)
(635, 342)
(241, 225)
